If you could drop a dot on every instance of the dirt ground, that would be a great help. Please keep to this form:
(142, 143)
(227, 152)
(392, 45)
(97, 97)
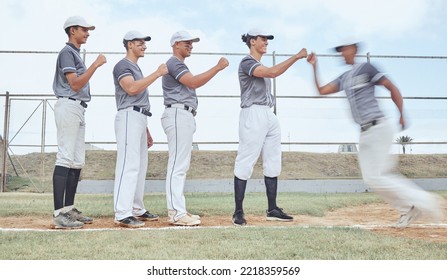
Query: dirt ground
(378, 218)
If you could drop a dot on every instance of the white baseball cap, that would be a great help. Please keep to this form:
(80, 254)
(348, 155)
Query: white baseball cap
(181, 36)
(135, 35)
(259, 32)
(347, 42)
(78, 21)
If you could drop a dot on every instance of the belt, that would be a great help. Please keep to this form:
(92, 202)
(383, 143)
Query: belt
(182, 106)
(83, 104)
(366, 126)
(142, 111)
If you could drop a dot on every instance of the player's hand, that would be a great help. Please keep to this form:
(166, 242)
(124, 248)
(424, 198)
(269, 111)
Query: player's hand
(302, 53)
(150, 141)
(312, 58)
(402, 123)
(100, 61)
(223, 63)
(162, 70)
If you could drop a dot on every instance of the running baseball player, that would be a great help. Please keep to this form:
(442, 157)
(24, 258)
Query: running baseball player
(132, 135)
(376, 164)
(71, 87)
(180, 100)
(259, 129)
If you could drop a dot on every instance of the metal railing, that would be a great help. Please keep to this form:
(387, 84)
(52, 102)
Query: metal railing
(8, 97)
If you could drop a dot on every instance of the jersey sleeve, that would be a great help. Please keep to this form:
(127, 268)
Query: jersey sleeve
(248, 65)
(338, 83)
(375, 75)
(177, 68)
(121, 70)
(67, 62)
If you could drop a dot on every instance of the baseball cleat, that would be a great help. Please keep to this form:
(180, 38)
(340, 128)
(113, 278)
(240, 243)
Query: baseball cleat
(130, 222)
(171, 214)
(408, 218)
(186, 220)
(277, 214)
(146, 216)
(239, 218)
(77, 215)
(66, 221)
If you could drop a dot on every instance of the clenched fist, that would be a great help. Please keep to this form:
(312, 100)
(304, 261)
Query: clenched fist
(223, 63)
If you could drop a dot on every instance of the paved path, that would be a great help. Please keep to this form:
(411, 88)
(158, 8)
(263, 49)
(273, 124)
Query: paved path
(257, 185)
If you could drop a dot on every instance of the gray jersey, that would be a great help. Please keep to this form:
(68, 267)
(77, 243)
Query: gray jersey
(174, 91)
(69, 61)
(124, 68)
(359, 83)
(254, 90)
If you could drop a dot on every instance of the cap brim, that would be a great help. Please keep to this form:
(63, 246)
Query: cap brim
(269, 37)
(194, 40)
(147, 38)
(338, 48)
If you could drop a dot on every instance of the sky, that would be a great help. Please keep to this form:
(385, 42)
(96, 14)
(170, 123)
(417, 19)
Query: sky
(385, 27)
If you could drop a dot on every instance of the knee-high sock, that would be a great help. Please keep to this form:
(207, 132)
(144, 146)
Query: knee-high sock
(239, 192)
(271, 185)
(72, 185)
(60, 176)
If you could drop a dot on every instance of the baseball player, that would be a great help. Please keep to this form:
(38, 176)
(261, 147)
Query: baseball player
(376, 136)
(259, 129)
(180, 100)
(132, 135)
(71, 87)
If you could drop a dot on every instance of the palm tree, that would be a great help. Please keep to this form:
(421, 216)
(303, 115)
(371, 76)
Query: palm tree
(404, 140)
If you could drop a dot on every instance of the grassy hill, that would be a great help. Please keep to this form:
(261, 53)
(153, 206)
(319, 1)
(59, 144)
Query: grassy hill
(219, 164)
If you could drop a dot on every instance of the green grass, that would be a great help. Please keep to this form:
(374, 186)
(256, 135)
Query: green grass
(246, 243)
(204, 204)
(216, 244)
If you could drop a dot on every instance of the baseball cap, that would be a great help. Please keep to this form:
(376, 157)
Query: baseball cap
(133, 35)
(259, 32)
(78, 21)
(346, 42)
(180, 36)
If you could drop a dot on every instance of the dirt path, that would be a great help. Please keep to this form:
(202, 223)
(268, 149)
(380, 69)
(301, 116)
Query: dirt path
(378, 218)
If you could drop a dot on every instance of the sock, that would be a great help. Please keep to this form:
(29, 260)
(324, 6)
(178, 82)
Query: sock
(271, 186)
(60, 175)
(72, 185)
(239, 192)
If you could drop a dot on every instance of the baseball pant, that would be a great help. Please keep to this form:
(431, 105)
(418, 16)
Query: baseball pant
(259, 132)
(378, 171)
(131, 163)
(70, 124)
(179, 126)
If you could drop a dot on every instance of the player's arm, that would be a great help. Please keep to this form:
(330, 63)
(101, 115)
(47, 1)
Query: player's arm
(134, 87)
(78, 82)
(395, 96)
(199, 80)
(322, 90)
(150, 141)
(274, 71)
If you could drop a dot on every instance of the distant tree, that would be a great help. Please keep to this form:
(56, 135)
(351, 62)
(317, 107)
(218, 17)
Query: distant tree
(404, 140)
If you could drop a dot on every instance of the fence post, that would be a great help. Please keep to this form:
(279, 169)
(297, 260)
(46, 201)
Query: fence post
(274, 82)
(368, 57)
(44, 126)
(5, 142)
(84, 54)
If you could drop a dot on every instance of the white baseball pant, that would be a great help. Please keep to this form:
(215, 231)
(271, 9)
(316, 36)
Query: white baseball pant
(377, 166)
(259, 132)
(131, 163)
(179, 126)
(70, 124)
